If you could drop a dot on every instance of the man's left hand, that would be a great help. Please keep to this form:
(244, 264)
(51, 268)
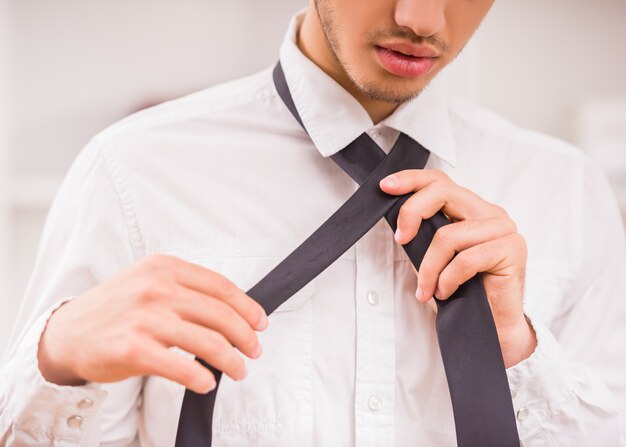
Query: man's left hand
(482, 238)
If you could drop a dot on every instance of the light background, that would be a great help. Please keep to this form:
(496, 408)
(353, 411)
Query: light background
(69, 68)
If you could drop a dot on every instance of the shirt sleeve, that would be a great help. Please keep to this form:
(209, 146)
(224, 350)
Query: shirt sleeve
(88, 236)
(572, 391)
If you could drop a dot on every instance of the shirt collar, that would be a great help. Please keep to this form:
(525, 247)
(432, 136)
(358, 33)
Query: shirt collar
(334, 118)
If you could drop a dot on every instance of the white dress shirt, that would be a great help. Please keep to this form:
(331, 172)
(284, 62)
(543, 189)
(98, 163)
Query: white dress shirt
(227, 179)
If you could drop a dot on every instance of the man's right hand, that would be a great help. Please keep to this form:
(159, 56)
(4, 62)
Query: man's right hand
(124, 327)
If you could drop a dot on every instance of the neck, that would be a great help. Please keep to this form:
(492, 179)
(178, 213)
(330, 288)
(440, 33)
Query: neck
(312, 42)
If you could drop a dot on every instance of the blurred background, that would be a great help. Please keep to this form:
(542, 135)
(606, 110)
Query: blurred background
(69, 68)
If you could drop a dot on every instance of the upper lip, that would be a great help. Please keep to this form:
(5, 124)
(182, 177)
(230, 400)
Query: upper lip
(411, 49)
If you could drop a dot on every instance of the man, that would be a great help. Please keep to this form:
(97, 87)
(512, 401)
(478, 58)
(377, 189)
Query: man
(167, 216)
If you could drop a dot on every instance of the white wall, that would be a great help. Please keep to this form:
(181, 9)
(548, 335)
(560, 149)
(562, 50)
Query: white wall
(79, 66)
(558, 67)
(537, 62)
(5, 128)
(82, 65)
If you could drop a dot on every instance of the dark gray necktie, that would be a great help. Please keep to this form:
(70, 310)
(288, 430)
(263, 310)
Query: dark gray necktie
(479, 390)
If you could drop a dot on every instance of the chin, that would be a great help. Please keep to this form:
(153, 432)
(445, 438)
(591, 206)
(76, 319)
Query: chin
(391, 89)
(389, 95)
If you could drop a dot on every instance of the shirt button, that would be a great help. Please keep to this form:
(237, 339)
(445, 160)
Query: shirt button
(74, 421)
(374, 403)
(373, 298)
(513, 393)
(85, 404)
(522, 414)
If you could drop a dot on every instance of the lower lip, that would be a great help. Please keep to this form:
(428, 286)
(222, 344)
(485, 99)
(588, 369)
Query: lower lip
(402, 65)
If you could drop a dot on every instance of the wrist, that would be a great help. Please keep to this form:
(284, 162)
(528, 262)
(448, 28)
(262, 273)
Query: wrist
(53, 363)
(517, 343)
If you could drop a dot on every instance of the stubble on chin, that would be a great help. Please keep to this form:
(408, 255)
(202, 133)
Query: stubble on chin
(373, 90)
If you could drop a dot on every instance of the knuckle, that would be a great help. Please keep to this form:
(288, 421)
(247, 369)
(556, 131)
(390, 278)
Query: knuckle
(409, 217)
(463, 262)
(509, 224)
(472, 226)
(152, 262)
(404, 213)
(216, 344)
(234, 363)
(220, 308)
(142, 323)
(442, 176)
(156, 264)
(426, 273)
(444, 280)
(253, 307)
(232, 321)
(250, 341)
(499, 211)
(444, 237)
(442, 291)
(223, 286)
(440, 190)
(149, 289)
(135, 324)
(185, 375)
(520, 241)
(128, 350)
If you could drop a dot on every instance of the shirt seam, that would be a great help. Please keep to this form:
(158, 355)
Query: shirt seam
(136, 122)
(120, 186)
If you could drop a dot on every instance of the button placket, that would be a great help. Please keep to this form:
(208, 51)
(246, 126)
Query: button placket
(373, 298)
(375, 353)
(522, 414)
(374, 403)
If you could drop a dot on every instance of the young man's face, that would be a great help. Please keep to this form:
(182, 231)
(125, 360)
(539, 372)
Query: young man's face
(391, 49)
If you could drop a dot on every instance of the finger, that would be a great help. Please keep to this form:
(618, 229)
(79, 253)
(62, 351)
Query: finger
(214, 314)
(435, 191)
(216, 285)
(408, 180)
(157, 360)
(209, 345)
(496, 256)
(421, 205)
(452, 239)
(456, 202)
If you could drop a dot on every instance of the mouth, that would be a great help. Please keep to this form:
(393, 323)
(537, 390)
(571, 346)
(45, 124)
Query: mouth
(407, 60)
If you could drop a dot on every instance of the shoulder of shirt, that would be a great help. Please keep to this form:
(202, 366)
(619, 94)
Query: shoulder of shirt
(213, 100)
(490, 125)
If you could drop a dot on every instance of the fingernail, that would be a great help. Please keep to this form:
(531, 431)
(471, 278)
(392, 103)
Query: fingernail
(244, 374)
(257, 351)
(209, 386)
(398, 235)
(419, 294)
(389, 181)
(438, 293)
(262, 323)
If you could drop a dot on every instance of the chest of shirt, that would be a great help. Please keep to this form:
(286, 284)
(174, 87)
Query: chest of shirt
(239, 206)
(260, 192)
